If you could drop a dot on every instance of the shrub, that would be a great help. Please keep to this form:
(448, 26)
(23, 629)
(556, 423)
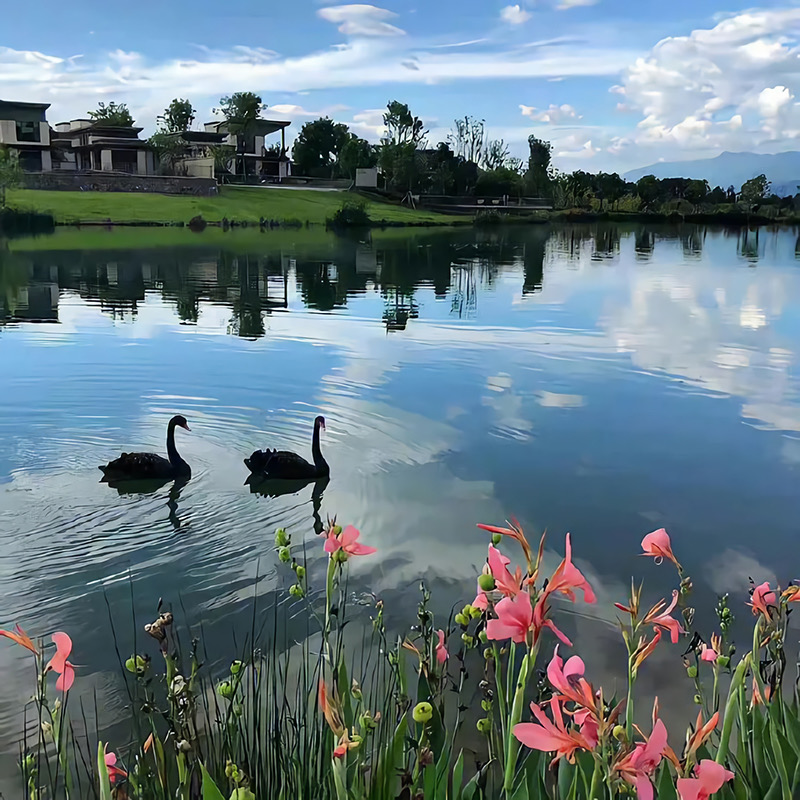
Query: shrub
(352, 213)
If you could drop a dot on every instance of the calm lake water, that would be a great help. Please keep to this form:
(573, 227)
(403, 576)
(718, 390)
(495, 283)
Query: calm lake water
(602, 380)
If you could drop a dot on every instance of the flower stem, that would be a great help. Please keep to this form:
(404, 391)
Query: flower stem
(629, 702)
(512, 743)
(727, 722)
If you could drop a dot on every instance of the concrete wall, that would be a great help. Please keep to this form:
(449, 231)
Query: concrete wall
(367, 178)
(8, 133)
(198, 167)
(120, 182)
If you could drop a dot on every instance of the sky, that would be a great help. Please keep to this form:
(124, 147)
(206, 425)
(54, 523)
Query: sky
(613, 84)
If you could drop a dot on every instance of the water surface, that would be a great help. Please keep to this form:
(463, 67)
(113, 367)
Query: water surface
(602, 380)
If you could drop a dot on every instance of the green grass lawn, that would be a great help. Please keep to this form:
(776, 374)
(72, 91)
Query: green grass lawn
(241, 203)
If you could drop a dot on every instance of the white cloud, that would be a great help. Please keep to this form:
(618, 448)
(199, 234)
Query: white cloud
(553, 115)
(360, 19)
(515, 15)
(730, 87)
(586, 151)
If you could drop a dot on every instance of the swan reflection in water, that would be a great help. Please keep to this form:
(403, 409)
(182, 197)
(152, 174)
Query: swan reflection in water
(275, 487)
(151, 486)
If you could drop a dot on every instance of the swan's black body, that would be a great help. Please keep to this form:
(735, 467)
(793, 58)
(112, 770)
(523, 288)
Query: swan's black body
(150, 466)
(285, 465)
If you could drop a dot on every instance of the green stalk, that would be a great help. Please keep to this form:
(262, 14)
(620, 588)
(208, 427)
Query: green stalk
(512, 743)
(597, 779)
(629, 702)
(501, 697)
(727, 723)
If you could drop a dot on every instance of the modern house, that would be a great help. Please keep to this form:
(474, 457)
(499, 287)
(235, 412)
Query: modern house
(260, 160)
(24, 128)
(196, 148)
(84, 144)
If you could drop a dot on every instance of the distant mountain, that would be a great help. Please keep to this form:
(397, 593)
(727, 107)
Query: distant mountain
(732, 168)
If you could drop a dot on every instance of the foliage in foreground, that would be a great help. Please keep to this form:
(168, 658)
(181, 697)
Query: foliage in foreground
(349, 716)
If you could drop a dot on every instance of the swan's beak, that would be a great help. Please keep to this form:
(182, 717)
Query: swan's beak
(186, 427)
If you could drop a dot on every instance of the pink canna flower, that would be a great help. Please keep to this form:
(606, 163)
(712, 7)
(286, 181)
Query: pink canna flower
(114, 772)
(58, 663)
(514, 619)
(590, 729)
(441, 649)
(568, 680)
(481, 601)
(636, 767)
(659, 617)
(763, 599)
(658, 545)
(567, 578)
(347, 540)
(708, 653)
(542, 621)
(711, 777)
(506, 583)
(551, 737)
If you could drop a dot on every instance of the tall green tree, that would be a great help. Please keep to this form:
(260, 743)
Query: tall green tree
(356, 153)
(241, 111)
(538, 178)
(318, 146)
(10, 172)
(496, 155)
(116, 114)
(468, 138)
(178, 116)
(755, 190)
(402, 127)
(405, 135)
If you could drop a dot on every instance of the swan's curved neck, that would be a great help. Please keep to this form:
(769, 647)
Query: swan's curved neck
(319, 462)
(172, 451)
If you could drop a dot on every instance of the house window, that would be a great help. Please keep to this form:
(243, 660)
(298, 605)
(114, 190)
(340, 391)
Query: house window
(28, 132)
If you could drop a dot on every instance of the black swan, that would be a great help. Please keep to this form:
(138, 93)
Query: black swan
(285, 465)
(150, 466)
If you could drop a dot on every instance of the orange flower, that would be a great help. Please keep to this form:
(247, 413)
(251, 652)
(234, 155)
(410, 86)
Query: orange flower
(330, 708)
(21, 638)
(659, 617)
(514, 530)
(645, 650)
(701, 733)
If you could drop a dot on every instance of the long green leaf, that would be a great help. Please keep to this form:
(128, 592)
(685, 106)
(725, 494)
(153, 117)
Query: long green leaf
(102, 772)
(458, 777)
(210, 790)
(777, 754)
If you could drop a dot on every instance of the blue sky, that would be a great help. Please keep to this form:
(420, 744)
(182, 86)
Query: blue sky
(613, 84)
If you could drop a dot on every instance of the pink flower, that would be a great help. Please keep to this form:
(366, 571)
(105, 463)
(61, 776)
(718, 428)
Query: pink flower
(658, 545)
(568, 680)
(590, 729)
(637, 766)
(506, 583)
(441, 650)
(481, 601)
(58, 663)
(541, 621)
(708, 654)
(114, 772)
(347, 540)
(711, 777)
(568, 577)
(551, 737)
(763, 598)
(659, 617)
(514, 619)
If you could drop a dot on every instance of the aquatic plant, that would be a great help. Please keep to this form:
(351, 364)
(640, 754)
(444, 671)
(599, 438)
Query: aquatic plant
(350, 713)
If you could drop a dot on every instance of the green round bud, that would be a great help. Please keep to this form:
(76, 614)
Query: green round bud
(236, 667)
(497, 538)
(285, 555)
(341, 557)
(462, 619)
(619, 733)
(475, 613)
(29, 762)
(422, 712)
(281, 538)
(296, 591)
(698, 700)
(130, 665)
(723, 661)
(486, 581)
(488, 654)
(468, 640)
(229, 769)
(483, 636)
(300, 571)
(691, 671)
(226, 690)
(337, 529)
(484, 726)
(486, 705)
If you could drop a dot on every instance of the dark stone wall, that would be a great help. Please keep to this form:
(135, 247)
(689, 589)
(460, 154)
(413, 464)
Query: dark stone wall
(119, 182)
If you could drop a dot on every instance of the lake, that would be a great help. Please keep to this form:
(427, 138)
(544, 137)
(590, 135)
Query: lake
(601, 379)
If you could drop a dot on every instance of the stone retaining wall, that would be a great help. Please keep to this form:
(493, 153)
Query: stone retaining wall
(120, 182)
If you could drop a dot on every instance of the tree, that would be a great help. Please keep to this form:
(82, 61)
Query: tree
(696, 191)
(538, 176)
(402, 127)
(318, 146)
(115, 114)
(755, 190)
(178, 116)
(649, 189)
(356, 153)
(10, 172)
(496, 155)
(717, 195)
(610, 187)
(241, 111)
(499, 182)
(468, 138)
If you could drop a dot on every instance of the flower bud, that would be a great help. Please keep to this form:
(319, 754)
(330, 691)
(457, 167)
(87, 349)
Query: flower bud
(486, 705)
(281, 538)
(300, 571)
(341, 557)
(698, 701)
(236, 667)
(422, 712)
(462, 620)
(355, 690)
(285, 555)
(297, 591)
(468, 640)
(337, 529)
(488, 654)
(619, 733)
(225, 690)
(691, 671)
(483, 636)
(475, 613)
(486, 582)
(183, 746)
(497, 538)
(484, 726)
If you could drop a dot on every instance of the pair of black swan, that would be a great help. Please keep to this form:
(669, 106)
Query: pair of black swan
(267, 464)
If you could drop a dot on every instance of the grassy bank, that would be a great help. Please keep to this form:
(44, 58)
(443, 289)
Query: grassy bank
(240, 203)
